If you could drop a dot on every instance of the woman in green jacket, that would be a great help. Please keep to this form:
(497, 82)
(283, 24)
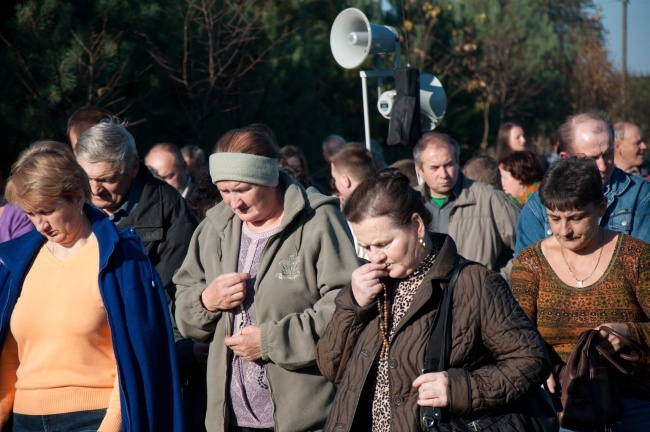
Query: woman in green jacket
(259, 283)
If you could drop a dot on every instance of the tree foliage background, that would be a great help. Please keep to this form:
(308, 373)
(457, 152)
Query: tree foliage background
(186, 71)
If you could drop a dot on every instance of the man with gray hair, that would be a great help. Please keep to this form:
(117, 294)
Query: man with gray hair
(591, 135)
(629, 149)
(133, 198)
(481, 220)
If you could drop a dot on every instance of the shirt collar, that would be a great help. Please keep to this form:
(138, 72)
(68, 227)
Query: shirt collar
(131, 201)
(187, 186)
(458, 187)
(617, 183)
(455, 191)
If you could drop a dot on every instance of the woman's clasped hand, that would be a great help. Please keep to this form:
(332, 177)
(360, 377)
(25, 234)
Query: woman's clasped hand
(225, 292)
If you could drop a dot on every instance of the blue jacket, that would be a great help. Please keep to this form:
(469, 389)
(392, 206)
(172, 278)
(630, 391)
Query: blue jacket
(628, 211)
(141, 331)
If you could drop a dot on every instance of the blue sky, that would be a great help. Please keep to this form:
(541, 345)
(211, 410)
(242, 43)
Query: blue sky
(638, 33)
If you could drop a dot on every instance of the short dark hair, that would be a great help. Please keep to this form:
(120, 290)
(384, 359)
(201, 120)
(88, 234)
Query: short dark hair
(86, 117)
(194, 152)
(571, 184)
(296, 174)
(407, 167)
(355, 160)
(203, 195)
(566, 130)
(526, 166)
(290, 151)
(387, 193)
(484, 169)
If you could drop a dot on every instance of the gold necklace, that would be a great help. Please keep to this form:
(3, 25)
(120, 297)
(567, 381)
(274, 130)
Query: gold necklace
(580, 282)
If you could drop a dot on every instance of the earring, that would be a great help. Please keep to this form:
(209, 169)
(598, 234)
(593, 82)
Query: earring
(81, 211)
(422, 243)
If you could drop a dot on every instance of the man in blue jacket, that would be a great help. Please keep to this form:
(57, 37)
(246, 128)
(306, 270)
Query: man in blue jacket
(591, 135)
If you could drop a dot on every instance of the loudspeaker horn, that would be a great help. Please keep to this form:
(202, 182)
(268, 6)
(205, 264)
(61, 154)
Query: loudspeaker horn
(353, 38)
(433, 102)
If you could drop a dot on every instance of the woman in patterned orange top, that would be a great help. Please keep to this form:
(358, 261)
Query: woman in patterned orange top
(585, 276)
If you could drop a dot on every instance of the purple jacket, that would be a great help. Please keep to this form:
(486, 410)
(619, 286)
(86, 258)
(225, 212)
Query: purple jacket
(13, 223)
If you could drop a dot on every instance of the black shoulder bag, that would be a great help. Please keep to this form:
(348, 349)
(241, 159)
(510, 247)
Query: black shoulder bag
(534, 413)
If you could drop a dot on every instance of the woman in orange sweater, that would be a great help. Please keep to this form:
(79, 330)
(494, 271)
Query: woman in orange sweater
(68, 357)
(585, 276)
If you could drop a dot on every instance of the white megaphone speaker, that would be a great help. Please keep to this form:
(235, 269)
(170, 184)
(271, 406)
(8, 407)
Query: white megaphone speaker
(353, 38)
(433, 102)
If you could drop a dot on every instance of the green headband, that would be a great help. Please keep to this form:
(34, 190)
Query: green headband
(244, 167)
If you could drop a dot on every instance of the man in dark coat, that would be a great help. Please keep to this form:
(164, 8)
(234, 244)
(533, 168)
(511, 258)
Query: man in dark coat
(132, 197)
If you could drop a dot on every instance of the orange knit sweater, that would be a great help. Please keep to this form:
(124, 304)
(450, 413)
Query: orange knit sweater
(59, 356)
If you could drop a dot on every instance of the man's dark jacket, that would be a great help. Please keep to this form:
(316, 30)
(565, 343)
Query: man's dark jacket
(164, 224)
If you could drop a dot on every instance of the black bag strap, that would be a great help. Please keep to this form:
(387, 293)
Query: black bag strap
(439, 346)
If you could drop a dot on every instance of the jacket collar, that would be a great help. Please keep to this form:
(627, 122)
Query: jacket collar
(464, 195)
(297, 203)
(131, 201)
(105, 232)
(446, 260)
(18, 259)
(618, 183)
(446, 257)
(149, 210)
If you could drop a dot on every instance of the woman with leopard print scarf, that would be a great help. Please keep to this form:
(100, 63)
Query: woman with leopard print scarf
(374, 347)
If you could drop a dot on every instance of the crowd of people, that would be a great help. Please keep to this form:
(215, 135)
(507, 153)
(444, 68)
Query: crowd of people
(236, 292)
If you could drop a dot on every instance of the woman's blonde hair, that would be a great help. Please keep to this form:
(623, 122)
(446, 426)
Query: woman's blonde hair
(46, 172)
